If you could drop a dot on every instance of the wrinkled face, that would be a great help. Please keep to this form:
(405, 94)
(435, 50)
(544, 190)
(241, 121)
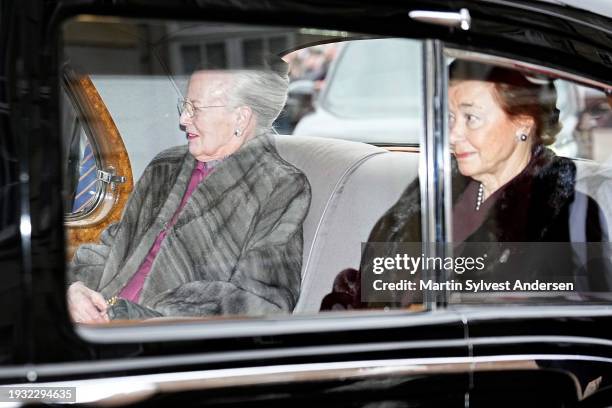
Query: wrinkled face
(211, 130)
(482, 136)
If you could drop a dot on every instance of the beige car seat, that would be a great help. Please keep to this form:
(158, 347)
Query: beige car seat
(353, 185)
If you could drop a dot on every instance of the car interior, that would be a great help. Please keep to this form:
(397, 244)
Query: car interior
(353, 183)
(344, 173)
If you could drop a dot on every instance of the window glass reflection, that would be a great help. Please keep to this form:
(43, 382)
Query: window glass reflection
(522, 199)
(80, 172)
(226, 216)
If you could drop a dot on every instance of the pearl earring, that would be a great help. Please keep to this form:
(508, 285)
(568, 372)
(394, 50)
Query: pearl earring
(237, 132)
(522, 136)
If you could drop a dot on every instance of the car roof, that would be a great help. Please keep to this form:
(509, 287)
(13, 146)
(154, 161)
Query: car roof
(602, 7)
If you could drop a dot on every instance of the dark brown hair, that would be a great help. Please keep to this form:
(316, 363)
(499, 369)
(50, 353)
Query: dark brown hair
(517, 95)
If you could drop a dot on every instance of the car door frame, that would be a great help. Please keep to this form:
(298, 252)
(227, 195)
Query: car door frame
(53, 350)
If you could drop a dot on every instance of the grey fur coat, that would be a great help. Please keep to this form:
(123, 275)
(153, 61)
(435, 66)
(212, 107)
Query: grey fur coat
(236, 247)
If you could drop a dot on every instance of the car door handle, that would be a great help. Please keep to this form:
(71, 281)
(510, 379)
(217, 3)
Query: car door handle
(452, 19)
(109, 177)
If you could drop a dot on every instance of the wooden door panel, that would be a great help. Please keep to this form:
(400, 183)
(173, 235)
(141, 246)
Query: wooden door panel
(112, 156)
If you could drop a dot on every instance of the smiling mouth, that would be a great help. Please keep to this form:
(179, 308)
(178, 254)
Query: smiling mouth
(191, 136)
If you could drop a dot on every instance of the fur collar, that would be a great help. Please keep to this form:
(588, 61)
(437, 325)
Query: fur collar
(525, 210)
(529, 205)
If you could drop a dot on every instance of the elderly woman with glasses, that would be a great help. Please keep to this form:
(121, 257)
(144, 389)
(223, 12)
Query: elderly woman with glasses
(213, 227)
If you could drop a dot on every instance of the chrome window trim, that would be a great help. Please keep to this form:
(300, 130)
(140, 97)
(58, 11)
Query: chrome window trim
(435, 190)
(296, 324)
(341, 321)
(75, 368)
(118, 390)
(80, 368)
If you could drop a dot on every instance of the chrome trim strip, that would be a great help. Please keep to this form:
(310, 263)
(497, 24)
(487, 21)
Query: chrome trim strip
(426, 169)
(25, 231)
(460, 19)
(328, 322)
(294, 324)
(540, 339)
(435, 190)
(470, 346)
(119, 390)
(216, 357)
(516, 64)
(499, 312)
(236, 356)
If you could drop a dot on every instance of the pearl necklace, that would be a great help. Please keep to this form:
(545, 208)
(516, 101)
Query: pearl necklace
(479, 198)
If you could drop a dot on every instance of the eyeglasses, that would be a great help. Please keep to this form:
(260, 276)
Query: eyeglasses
(190, 109)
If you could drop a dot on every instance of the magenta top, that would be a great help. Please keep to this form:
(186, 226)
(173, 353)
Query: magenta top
(131, 291)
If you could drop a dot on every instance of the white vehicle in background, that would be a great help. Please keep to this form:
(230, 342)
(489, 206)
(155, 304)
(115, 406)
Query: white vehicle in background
(382, 73)
(368, 73)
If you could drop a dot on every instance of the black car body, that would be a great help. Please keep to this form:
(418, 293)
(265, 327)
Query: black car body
(532, 355)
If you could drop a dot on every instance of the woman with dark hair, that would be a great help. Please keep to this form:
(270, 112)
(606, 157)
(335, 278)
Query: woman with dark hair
(508, 187)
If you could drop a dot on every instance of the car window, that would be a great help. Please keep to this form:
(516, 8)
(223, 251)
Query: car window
(529, 171)
(222, 208)
(346, 95)
(530, 195)
(83, 185)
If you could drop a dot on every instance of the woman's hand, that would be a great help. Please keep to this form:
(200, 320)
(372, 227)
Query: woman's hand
(86, 305)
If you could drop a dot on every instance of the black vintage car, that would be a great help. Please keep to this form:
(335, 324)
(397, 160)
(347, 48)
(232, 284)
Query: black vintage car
(88, 93)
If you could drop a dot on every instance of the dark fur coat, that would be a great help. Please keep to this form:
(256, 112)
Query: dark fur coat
(535, 206)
